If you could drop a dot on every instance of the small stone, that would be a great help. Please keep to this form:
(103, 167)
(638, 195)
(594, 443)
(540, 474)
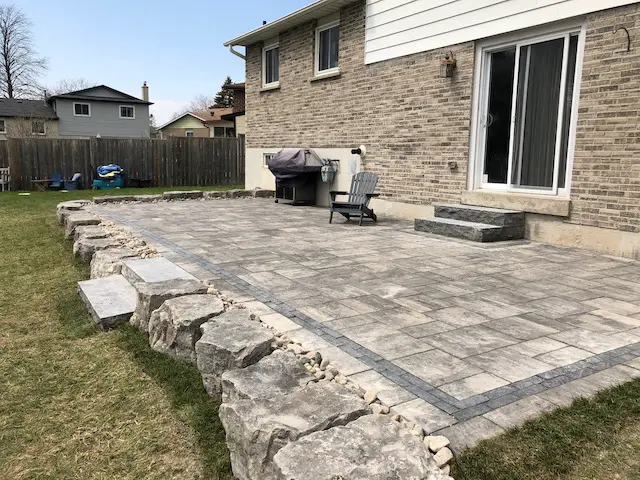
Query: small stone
(417, 431)
(376, 408)
(325, 363)
(319, 374)
(310, 355)
(446, 470)
(443, 457)
(385, 410)
(334, 370)
(328, 376)
(295, 348)
(341, 379)
(370, 396)
(437, 443)
(318, 358)
(396, 418)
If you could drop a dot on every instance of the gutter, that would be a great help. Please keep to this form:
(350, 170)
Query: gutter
(237, 54)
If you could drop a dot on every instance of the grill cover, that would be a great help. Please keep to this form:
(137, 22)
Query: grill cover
(295, 167)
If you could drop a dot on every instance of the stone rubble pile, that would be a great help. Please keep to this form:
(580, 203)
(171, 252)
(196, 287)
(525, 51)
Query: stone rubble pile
(288, 413)
(184, 195)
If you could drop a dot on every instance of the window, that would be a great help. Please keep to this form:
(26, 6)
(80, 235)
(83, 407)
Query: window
(265, 159)
(127, 111)
(526, 114)
(37, 127)
(188, 133)
(271, 66)
(81, 109)
(327, 48)
(219, 131)
(3, 129)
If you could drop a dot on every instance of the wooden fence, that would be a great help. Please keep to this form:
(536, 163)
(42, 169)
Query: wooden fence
(166, 163)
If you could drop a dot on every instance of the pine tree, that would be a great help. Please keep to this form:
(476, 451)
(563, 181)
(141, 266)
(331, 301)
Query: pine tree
(224, 98)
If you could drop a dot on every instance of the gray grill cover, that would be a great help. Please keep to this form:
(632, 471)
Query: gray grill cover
(294, 167)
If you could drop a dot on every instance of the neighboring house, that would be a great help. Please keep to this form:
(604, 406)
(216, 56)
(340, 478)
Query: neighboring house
(102, 111)
(532, 106)
(26, 118)
(200, 124)
(238, 116)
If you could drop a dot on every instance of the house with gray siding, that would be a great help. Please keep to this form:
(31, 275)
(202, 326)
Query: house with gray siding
(102, 111)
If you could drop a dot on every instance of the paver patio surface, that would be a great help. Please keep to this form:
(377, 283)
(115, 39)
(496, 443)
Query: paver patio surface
(445, 330)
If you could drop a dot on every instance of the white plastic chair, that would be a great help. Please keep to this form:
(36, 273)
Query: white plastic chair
(5, 179)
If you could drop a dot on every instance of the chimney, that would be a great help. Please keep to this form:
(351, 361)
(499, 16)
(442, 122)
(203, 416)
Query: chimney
(145, 92)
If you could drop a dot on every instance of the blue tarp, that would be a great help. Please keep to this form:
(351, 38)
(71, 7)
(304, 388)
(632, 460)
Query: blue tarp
(109, 171)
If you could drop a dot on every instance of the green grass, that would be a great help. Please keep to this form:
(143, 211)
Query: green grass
(596, 438)
(77, 403)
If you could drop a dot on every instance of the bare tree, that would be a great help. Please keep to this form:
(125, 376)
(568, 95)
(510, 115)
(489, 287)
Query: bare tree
(20, 66)
(200, 103)
(70, 85)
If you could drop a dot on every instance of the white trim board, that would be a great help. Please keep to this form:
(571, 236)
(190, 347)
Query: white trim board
(395, 28)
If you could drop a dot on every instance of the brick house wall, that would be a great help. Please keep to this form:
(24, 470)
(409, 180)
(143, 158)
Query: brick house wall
(414, 122)
(605, 189)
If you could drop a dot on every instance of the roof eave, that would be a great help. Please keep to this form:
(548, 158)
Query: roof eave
(311, 12)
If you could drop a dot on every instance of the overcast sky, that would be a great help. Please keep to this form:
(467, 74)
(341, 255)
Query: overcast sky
(175, 46)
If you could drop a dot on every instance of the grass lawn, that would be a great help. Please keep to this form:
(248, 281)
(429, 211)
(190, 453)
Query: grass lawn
(596, 438)
(77, 403)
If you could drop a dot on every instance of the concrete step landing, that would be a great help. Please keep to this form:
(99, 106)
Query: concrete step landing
(477, 232)
(472, 213)
(110, 300)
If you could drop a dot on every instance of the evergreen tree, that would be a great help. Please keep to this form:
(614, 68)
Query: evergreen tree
(224, 98)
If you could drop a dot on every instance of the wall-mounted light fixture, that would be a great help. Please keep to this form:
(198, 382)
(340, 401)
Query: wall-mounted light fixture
(447, 65)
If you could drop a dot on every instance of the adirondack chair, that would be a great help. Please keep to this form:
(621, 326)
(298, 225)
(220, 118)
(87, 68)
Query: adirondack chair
(357, 205)
(56, 181)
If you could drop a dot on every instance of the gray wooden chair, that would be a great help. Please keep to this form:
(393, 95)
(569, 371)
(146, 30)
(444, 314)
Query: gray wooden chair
(357, 205)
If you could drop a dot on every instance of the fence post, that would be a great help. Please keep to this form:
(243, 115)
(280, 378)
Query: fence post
(14, 152)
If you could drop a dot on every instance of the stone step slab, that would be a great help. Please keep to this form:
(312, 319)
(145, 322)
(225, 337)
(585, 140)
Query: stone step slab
(277, 374)
(110, 300)
(174, 328)
(477, 232)
(487, 215)
(84, 248)
(153, 270)
(228, 342)
(77, 219)
(63, 209)
(257, 429)
(113, 199)
(90, 231)
(373, 447)
(151, 296)
(109, 262)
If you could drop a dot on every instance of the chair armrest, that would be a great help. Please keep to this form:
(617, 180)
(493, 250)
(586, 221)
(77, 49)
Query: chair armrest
(372, 195)
(335, 193)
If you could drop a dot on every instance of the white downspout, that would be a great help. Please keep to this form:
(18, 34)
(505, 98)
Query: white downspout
(237, 54)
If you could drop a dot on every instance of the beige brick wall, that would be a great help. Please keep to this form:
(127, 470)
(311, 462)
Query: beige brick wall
(605, 188)
(412, 121)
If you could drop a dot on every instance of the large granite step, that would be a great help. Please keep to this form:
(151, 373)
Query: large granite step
(110, 300)
(488, 215)
(152, 270)
(477, 232)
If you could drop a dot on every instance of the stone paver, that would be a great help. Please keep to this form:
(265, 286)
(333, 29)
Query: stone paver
(448, 330)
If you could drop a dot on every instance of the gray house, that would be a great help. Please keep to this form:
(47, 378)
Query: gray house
(103, 111)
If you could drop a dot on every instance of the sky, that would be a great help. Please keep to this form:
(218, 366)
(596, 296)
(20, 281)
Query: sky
(175, 47)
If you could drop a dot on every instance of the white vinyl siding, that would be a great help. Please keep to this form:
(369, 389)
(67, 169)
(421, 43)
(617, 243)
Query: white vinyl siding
(395, 28)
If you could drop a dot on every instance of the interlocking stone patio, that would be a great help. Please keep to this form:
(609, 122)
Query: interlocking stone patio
(467, 339)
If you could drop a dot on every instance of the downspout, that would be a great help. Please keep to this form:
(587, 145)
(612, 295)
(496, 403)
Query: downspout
(237, 54)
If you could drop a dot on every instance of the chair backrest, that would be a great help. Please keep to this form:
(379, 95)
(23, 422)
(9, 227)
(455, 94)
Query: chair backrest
(361, 184)
(56, 179)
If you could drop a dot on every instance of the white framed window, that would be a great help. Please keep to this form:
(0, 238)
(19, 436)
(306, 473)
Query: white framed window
(271, 65)
(81, 109)
(127, 111)
(3, 128)
(327, 48)
(265, 159)
(526, 114)
(38, 127)
(188, 133)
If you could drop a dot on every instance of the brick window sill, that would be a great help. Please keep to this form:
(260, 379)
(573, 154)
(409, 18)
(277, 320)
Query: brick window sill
(270, 88)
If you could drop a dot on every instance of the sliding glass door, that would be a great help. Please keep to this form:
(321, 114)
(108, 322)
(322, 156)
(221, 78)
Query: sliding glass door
(526, 113)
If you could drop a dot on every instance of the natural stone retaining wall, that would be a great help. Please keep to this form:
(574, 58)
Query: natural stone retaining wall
(288, 413)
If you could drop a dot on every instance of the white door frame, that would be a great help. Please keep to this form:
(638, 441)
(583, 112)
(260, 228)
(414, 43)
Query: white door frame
(480, 102)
